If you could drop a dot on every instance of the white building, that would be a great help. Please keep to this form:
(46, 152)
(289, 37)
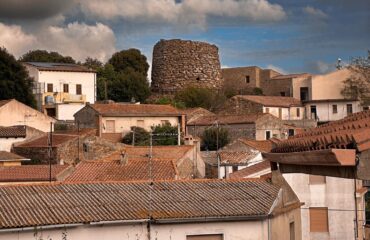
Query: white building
(62, 89)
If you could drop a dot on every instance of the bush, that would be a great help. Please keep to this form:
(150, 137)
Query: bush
(209, 138)
(142, 137)
(165, 134)
(196, 97)
(167, 100)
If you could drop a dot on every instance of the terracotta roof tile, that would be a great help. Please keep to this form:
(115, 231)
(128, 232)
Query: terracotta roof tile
(29, 173)
(259, 145)
(96, 202)
(271, 101)
(43, 141)
(9, 156)
(250, 170)
(119, 110)
(59, 67)
(352, 132)
(227, 119)
(13, 132)
(235, 158)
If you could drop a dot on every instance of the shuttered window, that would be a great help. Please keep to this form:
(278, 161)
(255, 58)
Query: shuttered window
(50, 87)
(319, 220)
(317, 179)
(205, 237)
(65, 88)
(78, 89)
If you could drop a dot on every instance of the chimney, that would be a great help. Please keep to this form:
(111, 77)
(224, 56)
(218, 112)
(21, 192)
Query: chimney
(123, 158)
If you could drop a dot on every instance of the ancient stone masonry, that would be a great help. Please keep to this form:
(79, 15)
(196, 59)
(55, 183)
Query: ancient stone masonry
(179, 63)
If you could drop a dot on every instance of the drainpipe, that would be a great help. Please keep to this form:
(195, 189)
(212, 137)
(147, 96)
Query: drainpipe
(356, 214)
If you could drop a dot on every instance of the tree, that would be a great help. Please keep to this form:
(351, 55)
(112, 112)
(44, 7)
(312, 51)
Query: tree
(45, 56)
(138, 137)
(195, 97)
(14, 80)
(165, 134)
(215, 137)
(93, 63)
(130, 60)
(168, 100)
(357, 86)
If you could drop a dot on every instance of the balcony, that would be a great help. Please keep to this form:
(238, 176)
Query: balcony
(50, 98)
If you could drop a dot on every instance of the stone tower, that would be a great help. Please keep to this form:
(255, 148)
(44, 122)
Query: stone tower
(179, 63)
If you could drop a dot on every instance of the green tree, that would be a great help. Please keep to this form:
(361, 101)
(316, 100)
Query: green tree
(93, 63)
(105, 75)
(165, 134)
(45, 56)
(138, 137)
(130, 60)
(215, 137)
(195, 97)
(14, 80)
(168, 100)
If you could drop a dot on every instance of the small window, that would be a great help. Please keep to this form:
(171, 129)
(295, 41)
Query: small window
(291, 231)
(298, 113)
(319, 219)
(335, 109)
(247, 79)
(317, 179)
(65, 88)
(267, 135)
(205, 237)
(349, 109)
(235, 168)
(198, 78)
(50, 87)
(291, 132)
(282, 94)
(140, 123)
(367, 207)
(78, 89)
(366, 108)
(165, 122)
(280, 113)
(267, 110)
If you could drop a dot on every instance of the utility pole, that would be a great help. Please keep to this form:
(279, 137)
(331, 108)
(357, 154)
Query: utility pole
(218, 158)
(133, 137)
(105, 90)
(50, 148)
(150, 186)
(78, 143)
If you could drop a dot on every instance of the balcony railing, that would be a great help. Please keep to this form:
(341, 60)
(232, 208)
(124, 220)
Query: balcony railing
(62, 97)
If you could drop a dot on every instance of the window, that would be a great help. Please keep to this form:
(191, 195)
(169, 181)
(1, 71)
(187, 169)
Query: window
(313, 112)
(291, 132)
(349, 109)
(317, 179)
(282, 94)
(367, 207)
(304, 93)
(65, 88)
(267, 110)
(267, 135)
(335, 108)
(205, 237)
(291, 231)
(50, 87)
(140, 123)
(319, 219)
(366, 108)
(164, 122)
(298, 113)
(247, 79)
(78, 89)
(235, 168)
(111, 126)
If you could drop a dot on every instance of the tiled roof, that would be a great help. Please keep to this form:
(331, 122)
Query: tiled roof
(294, 75)
(227, 119)
(7, 156)
(40, 205)
(255, 168)
(115, 171)
(259, 145)
(121, 110)
(352, 132)
(43, 141)
(195, 113)
(29, 173)
(59, 67)
(209, 157)
(235, 158)
(271, 101)
(13, 132)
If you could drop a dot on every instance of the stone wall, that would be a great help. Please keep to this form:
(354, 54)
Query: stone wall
(179, 63)
(237, 106)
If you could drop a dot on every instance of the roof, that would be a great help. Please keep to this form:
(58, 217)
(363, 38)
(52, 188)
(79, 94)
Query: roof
(235, 157)
(59, 67)
(134, 169)
(260, 145)
(13, 132)
(352, 132)
(30, 173)
(209, 157)
(249, 170)
(122, 110)
(227, 119)
(42, 141)
(271, 101)
(9, 156)
(41, 205)
(294, 75)
(3, 102)
(194, 113)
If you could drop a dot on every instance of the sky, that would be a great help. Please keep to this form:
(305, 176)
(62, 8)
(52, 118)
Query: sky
(290, 36)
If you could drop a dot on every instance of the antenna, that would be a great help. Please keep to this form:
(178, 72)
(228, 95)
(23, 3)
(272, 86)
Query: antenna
(339, 64)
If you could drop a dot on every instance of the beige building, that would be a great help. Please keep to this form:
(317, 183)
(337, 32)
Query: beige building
(178, 210)
(62, 89)
(115, 119)
(9, 159)
(14, 113)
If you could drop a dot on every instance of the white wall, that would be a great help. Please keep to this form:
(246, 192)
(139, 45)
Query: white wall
(325, 109)
(6, 143)
(287, 113)
(66, 111)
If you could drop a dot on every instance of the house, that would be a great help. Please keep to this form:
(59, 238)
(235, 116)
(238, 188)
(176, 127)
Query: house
(133, 163)
(14, 134)
(322, 164)
(11, 159)
(14, 113)
(178, 210)
(192, 114)
(256, 126)
(61, 89)
(114, 120)
(32, 174)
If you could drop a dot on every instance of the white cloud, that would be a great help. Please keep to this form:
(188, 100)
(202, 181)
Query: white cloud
(314, 12)
(278, 69)
(76, 40)
(185, 12)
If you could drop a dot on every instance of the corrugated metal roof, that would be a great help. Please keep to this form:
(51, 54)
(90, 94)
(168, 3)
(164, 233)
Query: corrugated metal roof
(49, 204)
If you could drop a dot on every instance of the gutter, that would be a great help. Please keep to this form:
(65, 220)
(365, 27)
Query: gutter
(210, 219)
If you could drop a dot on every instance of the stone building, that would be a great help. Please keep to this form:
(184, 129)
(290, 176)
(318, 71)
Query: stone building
(179, 63)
